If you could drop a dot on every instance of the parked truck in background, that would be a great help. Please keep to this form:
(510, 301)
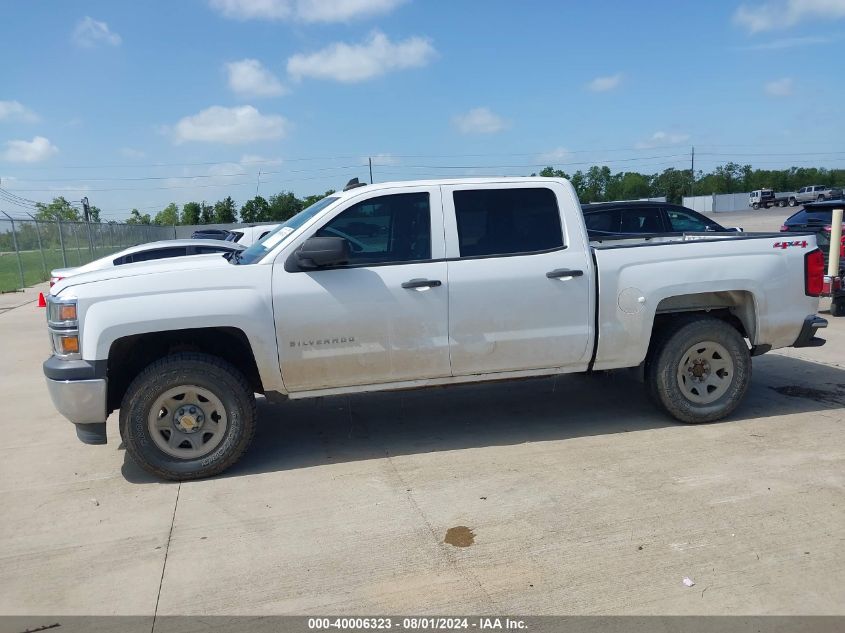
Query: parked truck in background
(768, 198)
(455, 281)
(815, 193)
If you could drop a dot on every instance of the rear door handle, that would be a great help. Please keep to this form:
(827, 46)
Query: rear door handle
(421, 283)
(564, 273)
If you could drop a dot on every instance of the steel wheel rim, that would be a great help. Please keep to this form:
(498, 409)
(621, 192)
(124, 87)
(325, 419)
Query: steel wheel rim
(705, 372)
(187, 422)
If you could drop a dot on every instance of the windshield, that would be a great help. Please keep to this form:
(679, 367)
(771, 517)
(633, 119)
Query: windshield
(258, 250)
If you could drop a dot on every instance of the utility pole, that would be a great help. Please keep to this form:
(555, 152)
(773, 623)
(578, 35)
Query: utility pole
(692, 173)
(258, 182)
(86, 210)
(371, 169)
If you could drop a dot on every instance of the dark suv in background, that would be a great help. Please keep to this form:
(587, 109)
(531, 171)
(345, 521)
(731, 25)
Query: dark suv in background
(818, 218)
(606, 219)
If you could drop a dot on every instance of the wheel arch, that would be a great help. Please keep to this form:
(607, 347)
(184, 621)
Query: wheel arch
(737, 307)
(129, 355)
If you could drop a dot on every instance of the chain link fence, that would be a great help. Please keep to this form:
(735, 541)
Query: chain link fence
(30, 249)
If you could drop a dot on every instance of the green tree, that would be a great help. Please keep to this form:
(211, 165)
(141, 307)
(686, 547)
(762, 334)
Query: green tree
(135, 217)
(59, 209)
(255, 210)
(94, 214)
(225, 211)
(191, 213)
(309, 200)
(169, 216)
(284, 205)
(206, 213)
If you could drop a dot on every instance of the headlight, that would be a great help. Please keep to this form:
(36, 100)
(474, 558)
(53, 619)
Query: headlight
(63, 323)
(61, 312)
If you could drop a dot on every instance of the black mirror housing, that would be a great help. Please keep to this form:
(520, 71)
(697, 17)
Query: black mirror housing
(319, 252)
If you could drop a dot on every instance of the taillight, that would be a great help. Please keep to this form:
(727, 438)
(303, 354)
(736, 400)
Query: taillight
(55, 280)
(783, 228)
(813, 273)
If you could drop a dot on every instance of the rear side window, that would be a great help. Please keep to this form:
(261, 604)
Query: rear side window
(602, 223)
(641, 221)
(507, 221)
(158, 253)
(204, 250)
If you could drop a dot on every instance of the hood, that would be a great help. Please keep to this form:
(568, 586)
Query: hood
(153, 267)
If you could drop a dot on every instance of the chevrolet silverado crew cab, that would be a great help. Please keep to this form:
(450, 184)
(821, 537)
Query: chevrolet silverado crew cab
(415, 284)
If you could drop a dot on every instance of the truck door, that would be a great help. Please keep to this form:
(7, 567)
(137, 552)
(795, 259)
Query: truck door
(383, 316)
(519, 280)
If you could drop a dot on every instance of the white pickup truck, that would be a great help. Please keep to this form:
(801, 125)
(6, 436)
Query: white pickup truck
(413, 284)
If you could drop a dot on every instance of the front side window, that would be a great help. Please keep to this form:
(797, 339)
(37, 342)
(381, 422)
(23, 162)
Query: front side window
(680, 221)
(205, 250)
(507, 221)
(385, 229)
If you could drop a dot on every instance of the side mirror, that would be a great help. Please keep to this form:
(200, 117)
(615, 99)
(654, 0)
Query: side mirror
(317, 252)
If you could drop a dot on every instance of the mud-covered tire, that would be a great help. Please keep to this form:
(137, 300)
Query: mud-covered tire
(212, 377)
(666, 376)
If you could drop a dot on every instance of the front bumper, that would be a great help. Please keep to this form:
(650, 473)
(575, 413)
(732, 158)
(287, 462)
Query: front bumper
(807, 337)
(78, 390)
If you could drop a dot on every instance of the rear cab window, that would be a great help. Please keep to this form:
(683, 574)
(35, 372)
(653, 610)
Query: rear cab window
(507, 221)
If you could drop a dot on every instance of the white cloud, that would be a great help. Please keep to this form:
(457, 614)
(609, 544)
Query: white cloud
(557, 155)
(382, 160)
(662, 138)
(90, 32)
(780, 14)
(260, 161)
(130, 152)
(303, 10)
(479, 121)
(249, 78)
(16, 111)
(789, 42)
(350, 63)
(34, 151)
(779, 87)
(604, 84)
(243, 124)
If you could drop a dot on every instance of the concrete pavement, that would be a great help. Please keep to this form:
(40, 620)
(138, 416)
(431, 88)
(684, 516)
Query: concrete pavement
(581, 498)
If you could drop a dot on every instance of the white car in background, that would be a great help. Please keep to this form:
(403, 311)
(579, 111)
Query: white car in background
(147, 252)
(249, 235)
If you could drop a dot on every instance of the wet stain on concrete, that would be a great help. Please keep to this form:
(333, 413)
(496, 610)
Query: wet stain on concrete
(459, 536)
(819, 395)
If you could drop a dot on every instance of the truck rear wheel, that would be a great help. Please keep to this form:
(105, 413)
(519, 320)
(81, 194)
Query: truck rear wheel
(698, 369)
(188, 416)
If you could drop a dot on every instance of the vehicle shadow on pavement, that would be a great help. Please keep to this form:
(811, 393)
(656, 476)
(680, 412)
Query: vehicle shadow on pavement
(337, 429)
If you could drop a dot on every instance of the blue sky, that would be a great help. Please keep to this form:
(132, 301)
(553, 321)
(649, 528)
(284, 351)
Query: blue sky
(196, 97)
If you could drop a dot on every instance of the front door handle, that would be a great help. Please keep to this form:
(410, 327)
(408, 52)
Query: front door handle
(564, 273)
(421, 283)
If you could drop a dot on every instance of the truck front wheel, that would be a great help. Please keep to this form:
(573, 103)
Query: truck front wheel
(698, 369)
(188, 416)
